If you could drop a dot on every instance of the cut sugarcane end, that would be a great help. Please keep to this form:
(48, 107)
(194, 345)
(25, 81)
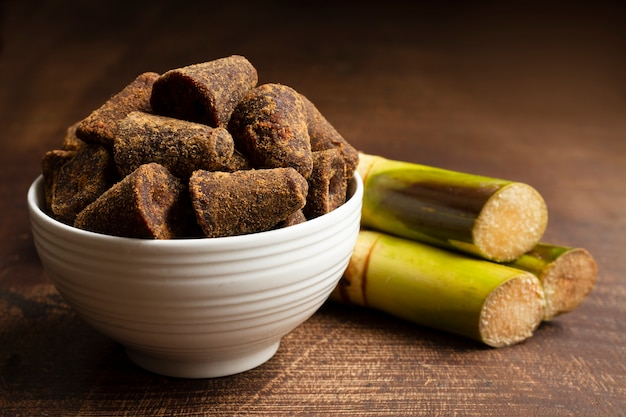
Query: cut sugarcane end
(568, 281)
(510, 223)
(512, 311)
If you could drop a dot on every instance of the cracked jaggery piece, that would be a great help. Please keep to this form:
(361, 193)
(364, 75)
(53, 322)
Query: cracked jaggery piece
(327, 184)
(180, 146)
(101, 124)
(229, 204)
(269, 127)
(204, 93)
(80, 180)
(149, 203)
(323, 135)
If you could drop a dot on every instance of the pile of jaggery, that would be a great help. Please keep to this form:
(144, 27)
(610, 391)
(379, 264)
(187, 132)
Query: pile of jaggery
(198, 151)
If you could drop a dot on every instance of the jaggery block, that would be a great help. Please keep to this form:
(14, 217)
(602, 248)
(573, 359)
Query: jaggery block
(204, 93)
(79, 181)
(237, 162)
(323, 135)
(295, 218)
(269, 127)
(51, 164)
(241, 202)
(100, 126)
(149, 203)
(328, 183)
(71, 142)
(180, 146)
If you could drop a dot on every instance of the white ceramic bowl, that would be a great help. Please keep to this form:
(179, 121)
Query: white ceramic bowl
(198, 308)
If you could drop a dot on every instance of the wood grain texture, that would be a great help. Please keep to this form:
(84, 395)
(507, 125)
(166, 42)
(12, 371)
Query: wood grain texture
(523, 92)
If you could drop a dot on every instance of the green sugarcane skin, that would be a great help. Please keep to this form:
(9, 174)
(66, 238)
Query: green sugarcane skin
(424, 203)
(539, 259)
(428, 285)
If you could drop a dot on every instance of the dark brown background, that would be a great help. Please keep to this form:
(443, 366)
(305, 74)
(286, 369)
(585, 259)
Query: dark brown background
(525, 91)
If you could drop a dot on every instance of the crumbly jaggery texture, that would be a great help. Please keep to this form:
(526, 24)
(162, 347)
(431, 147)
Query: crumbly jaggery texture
(323, 135)
(180, 146)
(145, 204)
(71, 142)
(51, 164)
(79, 181)
(269, 127)
(100, 126)
(257, 143)
(328, 183)
(296, 217)
(205, 93)
(237, 162)
(229, 204)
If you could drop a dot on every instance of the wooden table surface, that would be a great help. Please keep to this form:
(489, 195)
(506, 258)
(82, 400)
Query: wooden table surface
(529, 93)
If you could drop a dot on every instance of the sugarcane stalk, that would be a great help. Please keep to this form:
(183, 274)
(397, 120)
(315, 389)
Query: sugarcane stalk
(492, 218)
(486, 301)
(567, 275)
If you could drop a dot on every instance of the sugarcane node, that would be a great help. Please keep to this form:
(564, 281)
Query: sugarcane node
(353, 284)
(493, 303)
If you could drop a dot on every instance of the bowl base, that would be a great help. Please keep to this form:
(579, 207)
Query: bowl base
(213, 368)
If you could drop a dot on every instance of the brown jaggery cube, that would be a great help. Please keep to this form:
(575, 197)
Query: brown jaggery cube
(328, 184)
(242, 202)
(51, 164)
(269, 127)
(71, 142)
(237, 162)
(143, 205)
(100, 126)
(204, 93)
(180, 146)
(80, 181)
(295, 218)
(323, 135)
